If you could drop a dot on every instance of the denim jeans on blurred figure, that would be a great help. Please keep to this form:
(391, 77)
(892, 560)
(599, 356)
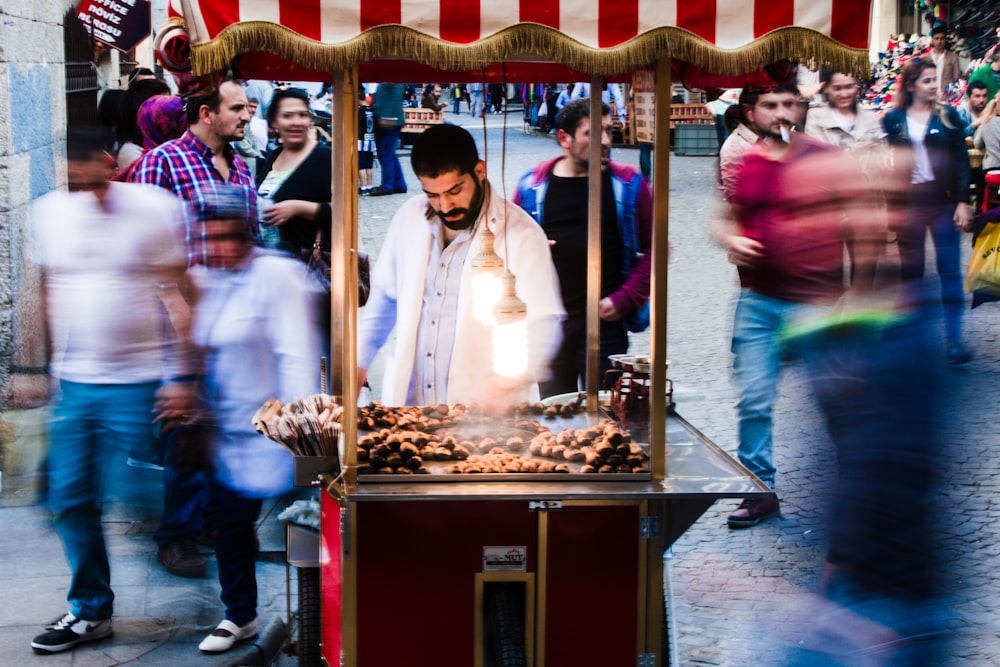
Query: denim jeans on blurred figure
(92, 429)
(758, 354)
(387, 140)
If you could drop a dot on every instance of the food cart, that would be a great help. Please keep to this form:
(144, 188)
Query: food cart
(453, 566)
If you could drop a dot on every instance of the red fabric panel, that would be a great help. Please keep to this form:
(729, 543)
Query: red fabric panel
(219, 14)
(849, 22)
(331, 580)
(698, 17)
(380, 12)
(459, 21)
(771, 15)
(303, 17)
(617, 21)
(545, 12)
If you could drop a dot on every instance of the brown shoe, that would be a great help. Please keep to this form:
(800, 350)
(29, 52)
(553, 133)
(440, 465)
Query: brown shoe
(754, 510)
(182, 559)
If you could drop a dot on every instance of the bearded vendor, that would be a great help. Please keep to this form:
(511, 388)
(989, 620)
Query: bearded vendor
(422, 285)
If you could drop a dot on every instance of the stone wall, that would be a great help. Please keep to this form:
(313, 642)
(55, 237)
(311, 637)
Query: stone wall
(32, 141)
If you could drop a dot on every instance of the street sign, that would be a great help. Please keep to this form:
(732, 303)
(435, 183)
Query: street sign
(121, 24)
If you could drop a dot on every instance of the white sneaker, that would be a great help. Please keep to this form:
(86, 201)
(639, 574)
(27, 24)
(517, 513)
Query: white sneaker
(226, 635)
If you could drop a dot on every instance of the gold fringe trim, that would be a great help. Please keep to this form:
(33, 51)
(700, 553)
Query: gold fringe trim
(527, 40)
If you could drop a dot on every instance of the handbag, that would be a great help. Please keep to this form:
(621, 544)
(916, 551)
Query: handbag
(318, 262)
(983, 275)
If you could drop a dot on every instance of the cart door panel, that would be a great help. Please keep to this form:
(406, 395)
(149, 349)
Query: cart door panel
(416, 569)
(592, 583)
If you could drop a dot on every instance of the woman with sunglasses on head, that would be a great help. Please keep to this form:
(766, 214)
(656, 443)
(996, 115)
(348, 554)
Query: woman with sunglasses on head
(928, 142)
(841, 121)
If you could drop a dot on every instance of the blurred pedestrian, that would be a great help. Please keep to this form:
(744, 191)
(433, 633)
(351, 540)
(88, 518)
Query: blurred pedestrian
(257, 306)
(928, 142)
(108, 253)
(793, 203)
(366, 146)
(202, 158)
(389, 121)
(476, 100)
(886, 566)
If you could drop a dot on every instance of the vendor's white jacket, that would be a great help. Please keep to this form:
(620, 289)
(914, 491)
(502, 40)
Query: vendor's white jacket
(398, 289)
(261, 338)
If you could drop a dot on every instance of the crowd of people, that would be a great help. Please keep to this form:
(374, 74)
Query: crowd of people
(817, 187)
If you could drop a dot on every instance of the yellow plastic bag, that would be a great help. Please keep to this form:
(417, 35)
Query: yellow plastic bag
(983, 274)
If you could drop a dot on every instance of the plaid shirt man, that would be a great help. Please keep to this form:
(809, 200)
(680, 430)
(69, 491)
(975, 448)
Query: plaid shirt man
(185, 166)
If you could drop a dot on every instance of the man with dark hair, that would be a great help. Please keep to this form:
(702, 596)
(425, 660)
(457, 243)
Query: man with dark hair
(746, 135)
(204, 156)
(972, 107)
(422, 284)
(198, 161)
(793, 204)
(555, 194)
(948, 69)
(109, 253)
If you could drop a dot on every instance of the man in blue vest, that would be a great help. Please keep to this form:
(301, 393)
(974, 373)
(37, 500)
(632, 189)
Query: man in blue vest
(555, 195)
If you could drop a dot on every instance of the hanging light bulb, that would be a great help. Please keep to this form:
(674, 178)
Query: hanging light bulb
(487, 267)
(510, 333)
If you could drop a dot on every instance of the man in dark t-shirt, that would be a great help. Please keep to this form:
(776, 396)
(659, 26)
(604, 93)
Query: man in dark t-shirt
(555, 194)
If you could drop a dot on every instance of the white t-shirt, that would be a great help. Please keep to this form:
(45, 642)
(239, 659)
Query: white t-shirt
(105, 316)
(922, 172)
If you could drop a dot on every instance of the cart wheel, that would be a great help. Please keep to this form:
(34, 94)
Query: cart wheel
(308, 643)
(505, 646)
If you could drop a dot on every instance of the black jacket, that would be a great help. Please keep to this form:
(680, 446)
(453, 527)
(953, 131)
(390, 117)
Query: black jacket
(946, 147)
(309, 182)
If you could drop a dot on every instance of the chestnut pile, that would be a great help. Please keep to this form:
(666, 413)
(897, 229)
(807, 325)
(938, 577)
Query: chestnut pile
(602, 448)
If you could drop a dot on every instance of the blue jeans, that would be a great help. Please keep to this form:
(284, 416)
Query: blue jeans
(757, 366)
(236, 551)
(184, 499)
(92, 429)
(387, 139)
(937, 217)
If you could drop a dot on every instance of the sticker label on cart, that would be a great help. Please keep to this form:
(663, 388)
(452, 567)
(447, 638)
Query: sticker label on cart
(505, 559)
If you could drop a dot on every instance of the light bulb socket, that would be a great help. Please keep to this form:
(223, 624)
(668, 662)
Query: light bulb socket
(508, 308)
(487, 259)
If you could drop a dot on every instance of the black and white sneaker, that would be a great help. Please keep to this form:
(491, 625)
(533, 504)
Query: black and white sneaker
(69, 631)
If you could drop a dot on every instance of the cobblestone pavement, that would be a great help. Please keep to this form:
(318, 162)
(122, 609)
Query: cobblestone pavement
(742, 597)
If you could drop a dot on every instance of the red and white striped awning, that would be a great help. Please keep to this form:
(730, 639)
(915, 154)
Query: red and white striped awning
(590, 36)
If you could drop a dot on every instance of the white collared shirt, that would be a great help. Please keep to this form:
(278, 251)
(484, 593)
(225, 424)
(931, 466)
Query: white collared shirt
(438, 317)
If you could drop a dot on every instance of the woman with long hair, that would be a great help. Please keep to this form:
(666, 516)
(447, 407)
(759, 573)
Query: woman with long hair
(928, 141)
